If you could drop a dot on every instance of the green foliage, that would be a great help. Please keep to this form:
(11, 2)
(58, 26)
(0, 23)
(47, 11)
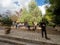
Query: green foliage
(55, 10)
(33, 14)
(49, 16)
(57, 19)
(6, 21)
(25, 16)
(32, 6)
(51, 24)
(55, 3)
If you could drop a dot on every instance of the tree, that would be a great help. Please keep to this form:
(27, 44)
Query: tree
(55, 10)
(49, 15)
(14, 18)
(35, 12)
(31, 15)
(55, 4)
(25, 16)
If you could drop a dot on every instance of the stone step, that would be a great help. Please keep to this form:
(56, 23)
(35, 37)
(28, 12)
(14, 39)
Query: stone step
(17, 39)
(26, 41)
(11, 41)
(15, 42)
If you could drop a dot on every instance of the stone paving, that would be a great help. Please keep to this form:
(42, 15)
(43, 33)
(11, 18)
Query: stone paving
(2, 43)
(55, 39)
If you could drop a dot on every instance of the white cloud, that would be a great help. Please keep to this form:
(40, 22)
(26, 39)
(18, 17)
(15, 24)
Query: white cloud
(43, 8)
(10, 5)
(6, 3)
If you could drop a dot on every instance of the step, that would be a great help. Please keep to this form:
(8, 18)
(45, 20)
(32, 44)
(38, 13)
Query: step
(26, 40)
(15, 42)
(11, 41)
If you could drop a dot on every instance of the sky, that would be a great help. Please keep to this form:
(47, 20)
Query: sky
(40, 2)
(14, 5)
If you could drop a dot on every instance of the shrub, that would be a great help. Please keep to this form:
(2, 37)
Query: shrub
(6, 21)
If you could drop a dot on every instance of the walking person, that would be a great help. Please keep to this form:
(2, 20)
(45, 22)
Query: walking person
(43, 29)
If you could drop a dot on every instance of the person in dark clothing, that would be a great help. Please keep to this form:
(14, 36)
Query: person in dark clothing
(43, 29)
(27, 25)
(16, 25)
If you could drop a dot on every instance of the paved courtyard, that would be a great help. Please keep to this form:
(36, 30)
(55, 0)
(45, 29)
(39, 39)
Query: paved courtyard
(34, 35)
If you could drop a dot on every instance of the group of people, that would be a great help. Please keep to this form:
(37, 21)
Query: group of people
(42, 25)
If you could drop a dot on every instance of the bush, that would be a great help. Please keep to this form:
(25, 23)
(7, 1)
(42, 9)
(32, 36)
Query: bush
(51, 24)
(6, 21)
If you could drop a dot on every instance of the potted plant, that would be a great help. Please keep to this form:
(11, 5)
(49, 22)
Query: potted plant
(7, 22)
